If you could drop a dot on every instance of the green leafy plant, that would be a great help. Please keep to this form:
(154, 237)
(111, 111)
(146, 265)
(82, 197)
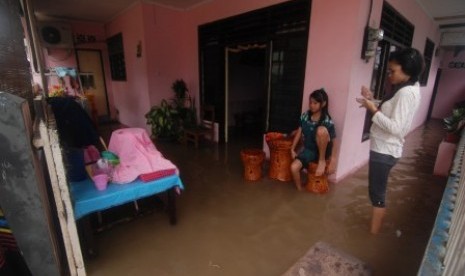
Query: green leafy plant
(168, 120)
(163, 120)
(456, 122)
(184, 104)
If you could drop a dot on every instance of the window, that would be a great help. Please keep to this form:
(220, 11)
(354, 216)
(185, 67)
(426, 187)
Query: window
(116, 56)
(428, 56)
(396, 27)
(398, 34)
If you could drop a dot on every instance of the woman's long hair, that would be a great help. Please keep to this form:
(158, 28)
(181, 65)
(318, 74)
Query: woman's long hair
(320, 96)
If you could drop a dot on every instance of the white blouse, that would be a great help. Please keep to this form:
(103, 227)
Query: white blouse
(393, 121)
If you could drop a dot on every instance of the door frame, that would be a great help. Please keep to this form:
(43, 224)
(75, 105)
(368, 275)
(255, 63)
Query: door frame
(435, 92)
(107, 115)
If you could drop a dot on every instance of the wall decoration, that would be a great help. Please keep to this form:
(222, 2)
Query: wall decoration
(84, 38)
(456, 65)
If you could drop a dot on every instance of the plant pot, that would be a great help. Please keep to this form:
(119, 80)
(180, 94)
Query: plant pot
(452, 137)
(444, 158)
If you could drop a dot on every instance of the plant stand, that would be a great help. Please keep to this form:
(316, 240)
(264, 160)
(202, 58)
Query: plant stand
(444, 158)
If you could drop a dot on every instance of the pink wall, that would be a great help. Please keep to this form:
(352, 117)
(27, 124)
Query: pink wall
(131, 97)
(333, 60)
(169, 51)
(330, 61)
(451, 88)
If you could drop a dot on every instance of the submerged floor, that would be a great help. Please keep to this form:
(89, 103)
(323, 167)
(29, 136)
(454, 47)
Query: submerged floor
(227, 226)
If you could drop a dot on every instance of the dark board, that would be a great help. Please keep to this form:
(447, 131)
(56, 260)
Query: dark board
(21, 196)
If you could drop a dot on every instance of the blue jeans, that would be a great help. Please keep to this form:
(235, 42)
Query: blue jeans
(378, 172)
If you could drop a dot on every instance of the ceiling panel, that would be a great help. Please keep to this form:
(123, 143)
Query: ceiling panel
(445, 12)
(448, 14)
(98, 10)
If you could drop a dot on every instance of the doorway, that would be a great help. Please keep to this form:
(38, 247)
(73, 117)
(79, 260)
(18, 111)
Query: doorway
(246, 94)
(93, 80)
(275, 39)
(435, 92)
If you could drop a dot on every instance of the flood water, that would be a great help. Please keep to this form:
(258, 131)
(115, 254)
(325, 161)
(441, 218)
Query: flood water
(228, 226)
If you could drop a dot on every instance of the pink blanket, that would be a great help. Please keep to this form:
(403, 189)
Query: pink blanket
(137, 154)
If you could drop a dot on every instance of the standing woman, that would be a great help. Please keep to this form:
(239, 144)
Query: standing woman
(391, 122)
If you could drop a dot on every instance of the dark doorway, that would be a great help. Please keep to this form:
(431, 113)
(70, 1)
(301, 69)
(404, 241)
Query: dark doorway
(246, 92)
(283, 30)
(435, 92)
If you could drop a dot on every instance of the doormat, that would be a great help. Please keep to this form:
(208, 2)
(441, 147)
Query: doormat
(323, 259)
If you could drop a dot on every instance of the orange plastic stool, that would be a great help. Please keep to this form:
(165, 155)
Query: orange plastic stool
(317, 184)
(252, 160)
(280, 159)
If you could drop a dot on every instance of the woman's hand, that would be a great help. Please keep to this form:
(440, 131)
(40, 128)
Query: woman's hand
(367, 101)
(366, 93)
(368, 104)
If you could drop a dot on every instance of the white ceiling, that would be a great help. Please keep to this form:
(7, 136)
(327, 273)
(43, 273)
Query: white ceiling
(444, 12)
(98, 10)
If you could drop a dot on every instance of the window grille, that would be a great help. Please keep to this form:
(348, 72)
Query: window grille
(116, 56)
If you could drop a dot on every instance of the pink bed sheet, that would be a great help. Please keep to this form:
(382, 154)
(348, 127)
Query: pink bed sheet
(137, 153)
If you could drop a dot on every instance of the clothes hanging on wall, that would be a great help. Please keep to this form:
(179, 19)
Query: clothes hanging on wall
(68, 79)
(63, 71)
(74, 125)
(76, 131)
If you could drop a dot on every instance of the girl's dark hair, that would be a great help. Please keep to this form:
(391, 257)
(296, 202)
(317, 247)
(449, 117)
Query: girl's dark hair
(320, 96)
(411, 61)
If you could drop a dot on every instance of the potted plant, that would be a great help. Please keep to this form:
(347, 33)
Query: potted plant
(454, 124)
(163, 120)
(188, 115)
(168, 120)
(180, 89)
(184, 104)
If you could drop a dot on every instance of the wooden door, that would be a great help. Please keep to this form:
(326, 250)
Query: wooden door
(93, 80)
